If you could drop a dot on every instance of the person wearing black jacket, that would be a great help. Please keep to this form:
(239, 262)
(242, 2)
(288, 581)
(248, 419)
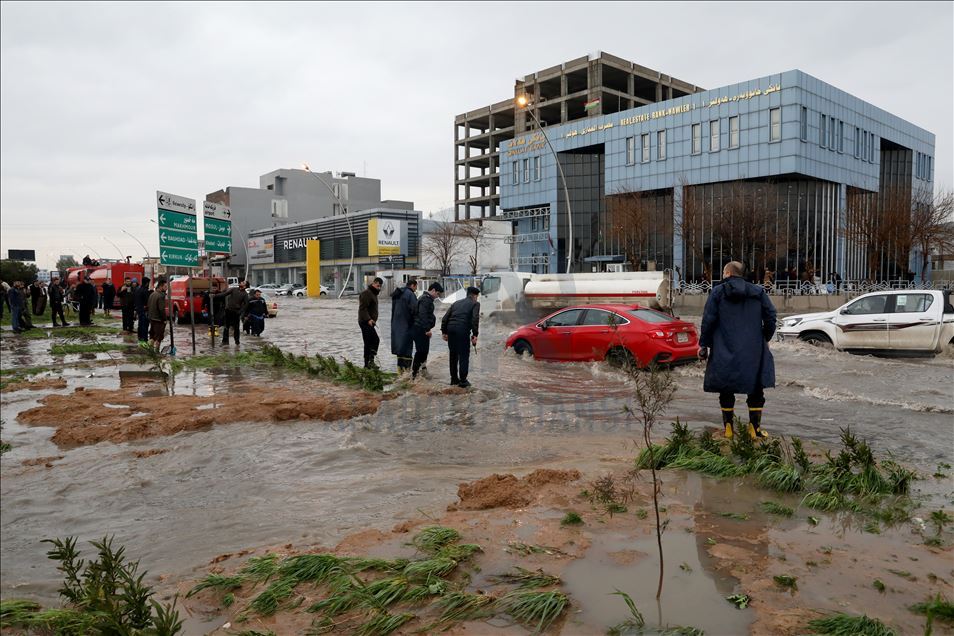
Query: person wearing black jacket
(141, 305)
(424, 321)
(236, 300)
(36, 293)
(403, 310)
(127, 299)
(56, 301)
(367, 318)
(460, 321)
(256, 311)
(86, 295)
(109, 295)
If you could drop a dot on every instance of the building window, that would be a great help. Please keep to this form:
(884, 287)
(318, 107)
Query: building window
(696, 139)
(873, 146)
(536, 168)
(841, 136)
(803, 125)
(734, 132)
(833, 134)
(516, 173)
(857, 142)
(775, 123)
(526, 171)
(929, 167)
(822, 130)
(644, 140)
(661, 145)
(630, 151)
(714, 136)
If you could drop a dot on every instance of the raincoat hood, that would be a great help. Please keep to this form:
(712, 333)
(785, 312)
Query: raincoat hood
(736, 289)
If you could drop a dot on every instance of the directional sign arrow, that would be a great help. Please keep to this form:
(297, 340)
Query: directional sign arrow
(165, 255)
(162, 236)
(161, 199)
(162, 217)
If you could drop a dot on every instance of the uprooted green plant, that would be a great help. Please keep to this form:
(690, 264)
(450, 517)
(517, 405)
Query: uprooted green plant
(105, 595)
(847, 625)
(536, 610)
(851, 480)
(527, 579)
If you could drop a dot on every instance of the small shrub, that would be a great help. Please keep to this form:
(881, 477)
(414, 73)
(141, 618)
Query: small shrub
(571, 519)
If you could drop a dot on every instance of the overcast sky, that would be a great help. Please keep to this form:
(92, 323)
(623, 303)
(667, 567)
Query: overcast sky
(103, 104)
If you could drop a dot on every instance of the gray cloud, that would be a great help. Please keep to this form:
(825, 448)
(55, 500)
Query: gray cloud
(103, 103)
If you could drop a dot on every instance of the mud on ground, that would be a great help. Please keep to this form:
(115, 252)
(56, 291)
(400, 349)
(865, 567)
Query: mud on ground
(89, 416)
(517, 522)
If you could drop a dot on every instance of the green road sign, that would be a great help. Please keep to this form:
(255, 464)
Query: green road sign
(218, 228)
(178, 243)
(218, 244)
(178, 258)
(176, 221)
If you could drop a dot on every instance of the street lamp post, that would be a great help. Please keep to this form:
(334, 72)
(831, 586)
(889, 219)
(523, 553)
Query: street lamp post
(121, 255)
(524, 102)
(344, 210)
(144, 248)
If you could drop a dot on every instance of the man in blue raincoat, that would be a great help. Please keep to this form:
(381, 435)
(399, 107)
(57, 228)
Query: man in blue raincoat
(737, 324)
(403, 312)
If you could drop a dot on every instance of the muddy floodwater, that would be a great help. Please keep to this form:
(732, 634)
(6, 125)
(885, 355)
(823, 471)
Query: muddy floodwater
(224, 488)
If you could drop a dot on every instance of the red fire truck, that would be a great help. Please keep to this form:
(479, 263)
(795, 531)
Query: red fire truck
(98, 274)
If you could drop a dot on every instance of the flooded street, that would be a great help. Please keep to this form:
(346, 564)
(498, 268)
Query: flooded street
(251, 484)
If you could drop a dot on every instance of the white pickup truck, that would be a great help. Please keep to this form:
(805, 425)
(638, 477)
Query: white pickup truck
(896, 321)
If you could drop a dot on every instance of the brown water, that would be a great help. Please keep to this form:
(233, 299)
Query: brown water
(243, 485)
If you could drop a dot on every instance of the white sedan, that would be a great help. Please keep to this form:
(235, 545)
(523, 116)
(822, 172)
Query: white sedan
(302, 292)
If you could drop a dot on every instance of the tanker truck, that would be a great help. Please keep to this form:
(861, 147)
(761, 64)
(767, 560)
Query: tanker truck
(526, 295)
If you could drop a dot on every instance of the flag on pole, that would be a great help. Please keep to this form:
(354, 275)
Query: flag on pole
(591, 104)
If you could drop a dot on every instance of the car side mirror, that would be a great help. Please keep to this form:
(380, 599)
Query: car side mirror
(544, 325)
(844, 312)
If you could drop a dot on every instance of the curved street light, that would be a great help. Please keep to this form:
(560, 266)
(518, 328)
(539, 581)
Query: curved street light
(122, 257)
(144, 248)
(526, 103)
(344, 211)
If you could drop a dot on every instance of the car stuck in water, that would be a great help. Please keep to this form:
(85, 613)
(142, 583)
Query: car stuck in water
(621, 334)
(905, 321)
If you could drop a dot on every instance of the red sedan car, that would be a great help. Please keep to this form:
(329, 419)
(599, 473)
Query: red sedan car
(619, 333)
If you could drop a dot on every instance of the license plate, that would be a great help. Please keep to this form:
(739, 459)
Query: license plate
(682, 337)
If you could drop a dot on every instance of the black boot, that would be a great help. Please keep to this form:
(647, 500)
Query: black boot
(728, 417)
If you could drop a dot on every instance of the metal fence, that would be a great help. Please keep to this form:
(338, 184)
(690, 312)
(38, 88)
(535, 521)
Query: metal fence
(804, 288)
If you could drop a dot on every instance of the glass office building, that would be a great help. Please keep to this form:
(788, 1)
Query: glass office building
(773, 172)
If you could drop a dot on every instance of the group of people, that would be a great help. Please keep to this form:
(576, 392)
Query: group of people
(412, 325)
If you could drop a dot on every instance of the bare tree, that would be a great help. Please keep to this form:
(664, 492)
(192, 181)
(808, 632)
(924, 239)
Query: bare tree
(882, 223)
(630, 223)
(442, 246)
(691, 227)
(932, 224)
(476, 234)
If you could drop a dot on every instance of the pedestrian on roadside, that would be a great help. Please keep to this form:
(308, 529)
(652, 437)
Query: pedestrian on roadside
(424, 322)
(158, 315)
(459, 329)
(256, 311)
(127, 300)
(235, 299)
(737, 324)
(403, 311)
(367, 319)
(109, 295)
(86, 295)
(56, 301)
(141, 305)
(36, 293)
(15, 298)
(4, 303)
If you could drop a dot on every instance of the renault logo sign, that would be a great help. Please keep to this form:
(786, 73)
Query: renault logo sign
(388, 230)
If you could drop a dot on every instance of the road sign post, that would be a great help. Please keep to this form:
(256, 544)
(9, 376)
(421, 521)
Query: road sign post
(178, 243)
(217, 225)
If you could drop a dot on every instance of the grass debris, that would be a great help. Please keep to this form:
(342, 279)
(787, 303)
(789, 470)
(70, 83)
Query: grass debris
(847, 625)
(571, 519)
(527, 579)
(786, 581)
(96, 347)
(774, 508)
(741, 601)
(536, 610)
(434, 538)
(936, 608)
(461, 606)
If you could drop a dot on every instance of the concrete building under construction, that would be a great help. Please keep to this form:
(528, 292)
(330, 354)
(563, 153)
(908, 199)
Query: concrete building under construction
(588, 86)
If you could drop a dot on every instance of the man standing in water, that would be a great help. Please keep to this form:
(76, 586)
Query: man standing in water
(737, 324)
(459, 328)
(157, 314)
(403, 310)
(424, 321)
(367, 319)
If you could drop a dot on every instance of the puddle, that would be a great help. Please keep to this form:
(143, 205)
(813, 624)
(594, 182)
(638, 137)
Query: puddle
(115, 406)
(205, 407)
(591, 581)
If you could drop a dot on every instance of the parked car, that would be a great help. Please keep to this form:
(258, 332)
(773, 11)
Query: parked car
(272, 305)
(621, 334)
(268, 286)
(896, 321)
(284, 290)
(301, 292)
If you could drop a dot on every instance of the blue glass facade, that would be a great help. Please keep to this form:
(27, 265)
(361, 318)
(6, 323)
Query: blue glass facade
(805, 143)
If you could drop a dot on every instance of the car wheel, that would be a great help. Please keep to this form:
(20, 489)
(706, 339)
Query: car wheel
(816, 339)
(323, 294)
(621, 358)
(180, 319)
(521, 347)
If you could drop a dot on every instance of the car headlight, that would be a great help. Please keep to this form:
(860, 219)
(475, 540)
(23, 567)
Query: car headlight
(791, 322)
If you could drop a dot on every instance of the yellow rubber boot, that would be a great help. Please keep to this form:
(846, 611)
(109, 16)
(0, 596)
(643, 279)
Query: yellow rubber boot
(755, 425)
(728, 416)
